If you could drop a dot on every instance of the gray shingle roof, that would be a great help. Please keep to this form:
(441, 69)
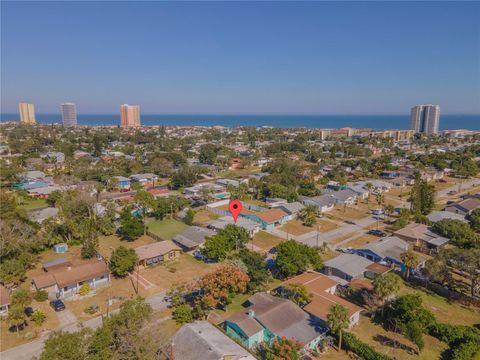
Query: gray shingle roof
(201, 340)
(282, 317)
(193, 236)
(350, 264)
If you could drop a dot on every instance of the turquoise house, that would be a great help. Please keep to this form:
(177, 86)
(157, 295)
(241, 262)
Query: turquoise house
(267, 219)
(269, 317)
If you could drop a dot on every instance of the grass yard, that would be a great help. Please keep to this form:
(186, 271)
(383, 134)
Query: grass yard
(265, 240)
(348, 213)
(9, 339)
(295, 227)
(31, 203)
(381, 341)
(185, 269)
(202, 217)
(167, 228)
(361, 241)
(326, 225)
(329, 255)
(450, 312)
(108, 243)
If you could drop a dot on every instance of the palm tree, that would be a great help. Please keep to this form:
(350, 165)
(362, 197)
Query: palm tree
(385, 286)
(369, 187)
(410, 259)
(389, 210)
(308, 215)
(338, 320)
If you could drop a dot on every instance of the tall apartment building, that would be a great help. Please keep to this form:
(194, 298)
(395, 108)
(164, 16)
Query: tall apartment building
(129, 116)
(27, 113)
(425, 118)
(69, 114)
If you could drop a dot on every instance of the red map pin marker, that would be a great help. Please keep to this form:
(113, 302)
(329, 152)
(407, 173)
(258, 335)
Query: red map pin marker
(235, 207)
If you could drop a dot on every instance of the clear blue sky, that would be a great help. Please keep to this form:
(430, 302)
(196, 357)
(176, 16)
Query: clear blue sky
(241, 58)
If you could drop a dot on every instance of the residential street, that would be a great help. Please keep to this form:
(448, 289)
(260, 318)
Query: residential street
(310, 238)
(29, 350)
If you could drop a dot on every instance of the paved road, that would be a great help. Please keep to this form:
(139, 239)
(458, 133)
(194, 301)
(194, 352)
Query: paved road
(464, 187)
(310, 238)
(34, 348)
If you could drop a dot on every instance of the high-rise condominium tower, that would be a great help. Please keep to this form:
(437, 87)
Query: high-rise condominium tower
(27, 113)
(69, 114)
(129, 116)
(425, 118)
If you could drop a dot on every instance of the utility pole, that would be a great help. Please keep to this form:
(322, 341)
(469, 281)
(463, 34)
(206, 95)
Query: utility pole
(138, 272)
(318, 233)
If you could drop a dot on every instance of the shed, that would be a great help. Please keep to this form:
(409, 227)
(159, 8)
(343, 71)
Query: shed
(60, 248)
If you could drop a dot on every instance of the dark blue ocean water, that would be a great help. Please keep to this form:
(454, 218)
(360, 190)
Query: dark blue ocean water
(447, 122)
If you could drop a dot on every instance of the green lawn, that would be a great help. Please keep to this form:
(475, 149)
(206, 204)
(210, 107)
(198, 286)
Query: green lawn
(445, 311)
(31, 203)
(166, 229)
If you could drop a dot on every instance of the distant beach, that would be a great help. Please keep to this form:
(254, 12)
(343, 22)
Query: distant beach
(378, 122)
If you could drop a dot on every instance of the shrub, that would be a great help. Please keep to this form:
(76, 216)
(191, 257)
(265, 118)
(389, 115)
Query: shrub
(91, 309)
(464, 341)
(84, 289)
(41, 295)
(183, 314)
(38, 317)
(364, 351)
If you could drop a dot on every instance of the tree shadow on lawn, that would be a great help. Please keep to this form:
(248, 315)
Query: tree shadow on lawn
(393, 343)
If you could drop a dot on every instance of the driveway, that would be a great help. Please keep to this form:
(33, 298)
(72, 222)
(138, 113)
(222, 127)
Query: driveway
(66, 317)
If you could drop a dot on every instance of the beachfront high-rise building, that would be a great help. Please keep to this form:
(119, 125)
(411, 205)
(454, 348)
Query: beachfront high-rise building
(129, 116)
(425, 118)
(27, 113)
(69, 114)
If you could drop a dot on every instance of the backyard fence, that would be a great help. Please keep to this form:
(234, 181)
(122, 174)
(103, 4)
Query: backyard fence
(445, 292)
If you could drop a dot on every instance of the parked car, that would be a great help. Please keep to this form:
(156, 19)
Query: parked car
(377, 233)
(29, 311)
(57, 305)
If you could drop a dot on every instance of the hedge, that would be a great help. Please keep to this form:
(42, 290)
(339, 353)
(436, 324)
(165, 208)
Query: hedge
(366, 352)
(464, 341)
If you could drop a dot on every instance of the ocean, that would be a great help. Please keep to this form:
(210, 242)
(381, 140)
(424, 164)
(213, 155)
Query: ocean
(378, 122)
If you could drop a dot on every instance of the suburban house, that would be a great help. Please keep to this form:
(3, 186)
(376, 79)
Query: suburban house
(360, 190)
(421, 236)
(267, 219)
(146, 180)
(213, 190)
(323, 202)
(4, 300)
(323, 291)
(269, 317)
(350, 266)
(250, 226)
(387, 250)
(227, 182)
(192, 237)
(292, 209)
(378, 186)
(436, 216)
(344, 197)
(464, 207)
(157, 252)
(201, 337)
(65, 280)
(57, 264)
(122, 183)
